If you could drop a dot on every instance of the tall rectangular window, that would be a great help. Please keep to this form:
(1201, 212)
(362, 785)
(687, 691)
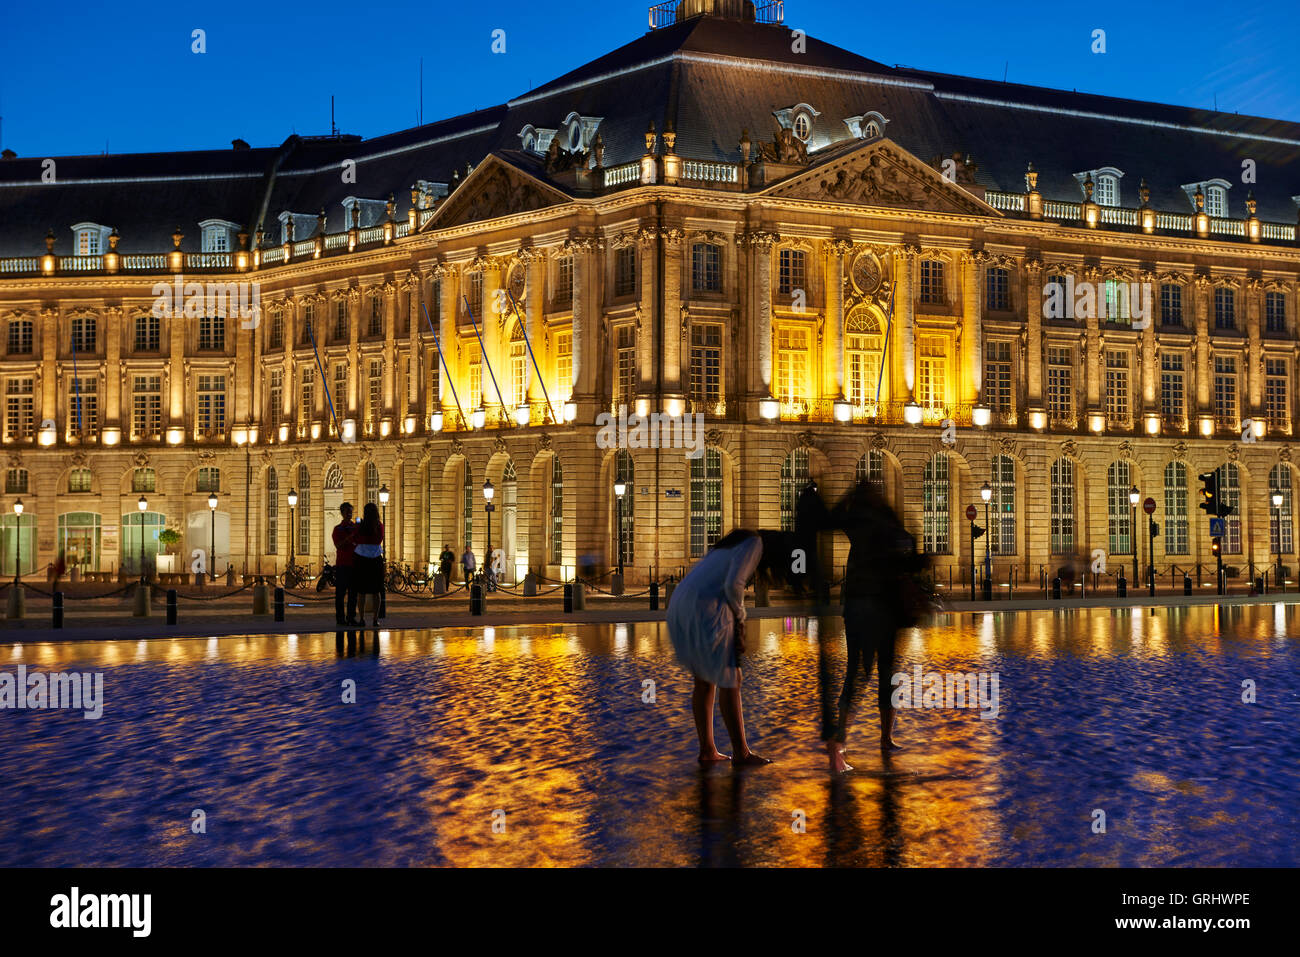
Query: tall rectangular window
(934, 505)
(706, 364)
(625, 365)
(148, 333)
(1274, 312)
(1060, 382)
(146, 406)
(563, 366)
(1276, 406)
(376, 327)
(932, 374)
(83, 405)
(84, 329)
(308, 323)
(1062, 507)
(518, 372)
(1117, 387)
(20, 337)
(339, 396)
(1225, 308)
(1230, 490)
(1225, 391)
(212, 333)
(932, 285)
(706, 267)
(706, 501)
(306, 397)
(1003, 506)
(475, 382)
(998, 289)
(792, 364)
(275, 398)
(1171, 305)
(1118, 508)
(557, 511)
(375, 395)
(792, 271)
(625, 271)
(275, 335)
(1176, 540)
(19, 409)
(1173, 405)
(211, 403)
(997, 376)
(341, 319)
(564, 282)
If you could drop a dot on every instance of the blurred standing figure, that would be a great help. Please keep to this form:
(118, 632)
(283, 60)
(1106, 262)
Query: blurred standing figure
(880, 597)
(810, 517)
(344, 587)
(468, 563)
(368, 564)
(706, 621)
(447, 561)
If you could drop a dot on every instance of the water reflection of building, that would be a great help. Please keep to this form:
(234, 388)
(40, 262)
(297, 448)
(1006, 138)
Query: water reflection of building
(826, 257)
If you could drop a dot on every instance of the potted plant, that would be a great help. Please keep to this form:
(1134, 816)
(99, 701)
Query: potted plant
(169, 538)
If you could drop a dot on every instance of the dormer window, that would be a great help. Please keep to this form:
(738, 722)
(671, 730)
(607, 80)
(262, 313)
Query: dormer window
(868, 126)
(373, 211)
(217, 234)
(1215, 192)
(803, 126)
(91, 238)
(798, 120)
(1105, 185)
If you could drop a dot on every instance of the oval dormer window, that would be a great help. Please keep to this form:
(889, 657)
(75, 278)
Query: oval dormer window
(803, 126)
(872, 130)
(575, 137)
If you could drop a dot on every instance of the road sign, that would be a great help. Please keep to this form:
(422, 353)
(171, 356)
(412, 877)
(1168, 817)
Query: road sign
(1149, 506)
(1218, 528)
(971, 512)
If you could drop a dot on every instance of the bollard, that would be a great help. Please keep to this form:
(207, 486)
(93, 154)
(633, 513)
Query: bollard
(1187, 584)
(568, 597)
(279, 604)
(579, 596)
(261, 599)
(616, 584)
(654, 596)
(476, 600)
(1056, 588)
(143, 597)
(230, 576)
(439, 584)
(171, 606)
(668, 591)
(530, 585)
(1121, 586)
(761, 597)
(1259, 585)
(56, 610)
(17, 607)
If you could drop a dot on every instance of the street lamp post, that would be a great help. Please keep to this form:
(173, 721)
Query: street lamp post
(18, 539)
(212, 554)
(1133, 496)
(383, 504)
(1277, 524)
(142, 504)
(620, 489)
(986, 493)
(293, 525)
(488, 491)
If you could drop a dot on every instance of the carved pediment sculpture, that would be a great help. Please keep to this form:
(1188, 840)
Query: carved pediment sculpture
(494, 189)
(785, 148)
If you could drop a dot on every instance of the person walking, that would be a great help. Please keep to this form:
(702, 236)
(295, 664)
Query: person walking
(345, 591)
(447, 560)
(881, 595)
(368, 561)
(468, 563)
(706, 622)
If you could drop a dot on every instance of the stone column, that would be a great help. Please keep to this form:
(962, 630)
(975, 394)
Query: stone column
(1252, 291)
(177, 382)
(1033, 374)
(671, 351)
(415, 361)
(494, 390)
(112, 414)
(1200, 318)
(759, 244)
(390, 350)
(1147, 352)
(647, 344)
(836, 252)
(534, 307)
(450, 280)
(905, 259)
(354, 355)
(971, 382)
(1093, 344)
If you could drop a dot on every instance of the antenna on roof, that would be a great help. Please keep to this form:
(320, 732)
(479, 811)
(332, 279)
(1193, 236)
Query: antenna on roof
(334, 130)
(421, 91)
(1005, 67)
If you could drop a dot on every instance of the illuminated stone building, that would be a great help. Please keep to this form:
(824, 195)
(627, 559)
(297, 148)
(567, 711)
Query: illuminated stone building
(841, 265)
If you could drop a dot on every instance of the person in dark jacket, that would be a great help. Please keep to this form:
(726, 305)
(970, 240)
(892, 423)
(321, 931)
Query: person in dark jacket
(345, 590)
(879, 598)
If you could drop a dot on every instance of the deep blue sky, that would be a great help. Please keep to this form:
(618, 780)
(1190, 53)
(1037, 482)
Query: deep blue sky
(113, 75)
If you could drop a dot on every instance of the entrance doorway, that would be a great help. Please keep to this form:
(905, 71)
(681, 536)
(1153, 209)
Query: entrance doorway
(509, 520)
(331, 501)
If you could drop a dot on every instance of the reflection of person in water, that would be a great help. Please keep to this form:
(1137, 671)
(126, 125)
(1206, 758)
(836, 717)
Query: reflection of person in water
(880, 597)
(706, 621)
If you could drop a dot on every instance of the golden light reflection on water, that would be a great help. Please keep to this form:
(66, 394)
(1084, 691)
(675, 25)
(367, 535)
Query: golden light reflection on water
(556, 728)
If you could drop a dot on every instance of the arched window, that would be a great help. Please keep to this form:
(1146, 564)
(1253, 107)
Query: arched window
(1216, 201)
(1230, 492)
(934, 505)
(706, 501)
(304, 510)
(79, 480)
(871, 468)
(1119, 479)
(794, 476)
(272, 512)
(372, 483)
(1062, 518)
(863, 348)
(625, 472)
(1176, 539)
(557, 511)
(144, 480)
(467, 506)
(1281, 537)
(1003, 505)
(334, 478)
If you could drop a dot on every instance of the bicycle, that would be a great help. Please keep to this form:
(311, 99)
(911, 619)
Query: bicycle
(295, 575)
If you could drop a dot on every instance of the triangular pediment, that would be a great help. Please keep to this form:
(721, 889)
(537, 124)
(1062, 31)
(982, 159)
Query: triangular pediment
(494, 189)
(879, 173)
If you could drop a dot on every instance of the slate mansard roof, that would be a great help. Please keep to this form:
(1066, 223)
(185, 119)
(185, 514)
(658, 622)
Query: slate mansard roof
(710, 78)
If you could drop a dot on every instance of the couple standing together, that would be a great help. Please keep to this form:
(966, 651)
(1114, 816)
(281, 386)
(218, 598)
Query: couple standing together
(706, 615)
(358, 565)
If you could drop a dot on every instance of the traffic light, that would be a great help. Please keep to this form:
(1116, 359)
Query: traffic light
(1216, 547)
(977, 531)
(1209, 493)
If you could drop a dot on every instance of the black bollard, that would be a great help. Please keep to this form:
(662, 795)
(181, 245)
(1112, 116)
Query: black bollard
(279, 604)
(56, 611)
(1121, 586)
(1259, 585)
(568, 598)
(1187, 584)
(171, 606)
(1056, 588)
(476, 598)
(654, 596)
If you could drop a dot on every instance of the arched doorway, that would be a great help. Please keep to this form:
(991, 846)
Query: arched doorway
(509, 519)
(331, 500)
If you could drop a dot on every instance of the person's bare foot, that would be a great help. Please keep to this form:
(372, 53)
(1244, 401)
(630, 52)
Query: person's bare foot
(714, 758)
(888, 745)
(750, 759)
(835, 751)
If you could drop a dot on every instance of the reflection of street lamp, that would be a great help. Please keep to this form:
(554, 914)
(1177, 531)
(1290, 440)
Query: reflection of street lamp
(18, 539)
(1277, 520)
(142, 505)
(292, 498)
(986, 493)
(212, 555)
(488, 491)
(1133, 496)
(620, 489)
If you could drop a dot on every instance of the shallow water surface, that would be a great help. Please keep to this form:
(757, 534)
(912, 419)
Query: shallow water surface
(550, 734)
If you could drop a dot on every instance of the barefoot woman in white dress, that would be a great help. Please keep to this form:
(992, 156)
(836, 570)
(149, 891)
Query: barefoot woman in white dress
(706, 620)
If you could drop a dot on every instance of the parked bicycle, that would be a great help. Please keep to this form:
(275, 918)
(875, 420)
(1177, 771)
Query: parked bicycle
(295, 575)
(403, 578)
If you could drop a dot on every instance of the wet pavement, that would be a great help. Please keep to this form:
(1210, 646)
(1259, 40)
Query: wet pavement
(544, 745)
